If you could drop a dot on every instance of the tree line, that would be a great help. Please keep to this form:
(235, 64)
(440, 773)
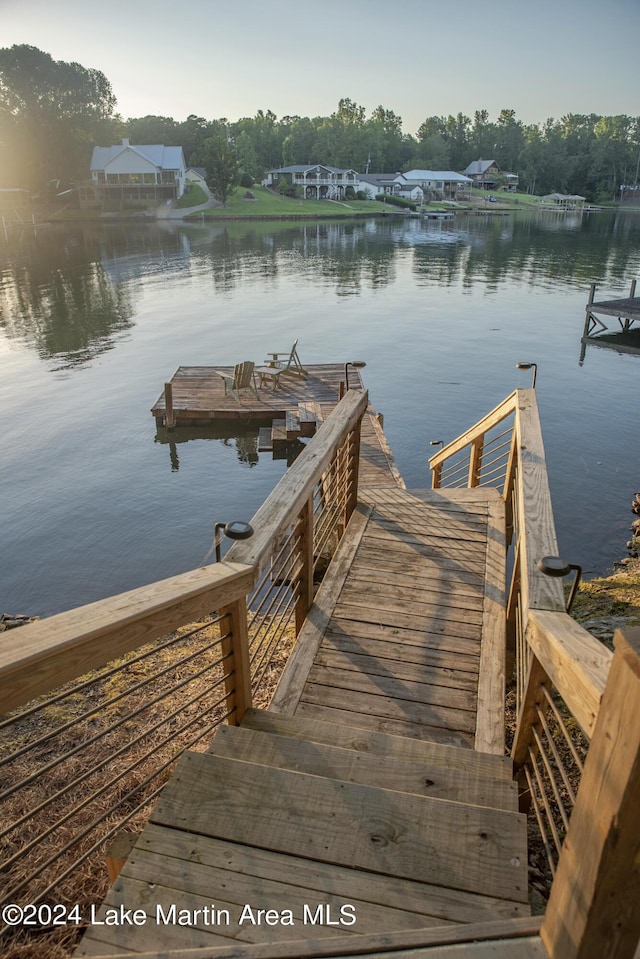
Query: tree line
(52, 113)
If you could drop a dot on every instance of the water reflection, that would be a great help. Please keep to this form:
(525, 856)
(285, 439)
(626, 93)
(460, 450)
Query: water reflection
(67, 291)
(243, 441)
(71, 291)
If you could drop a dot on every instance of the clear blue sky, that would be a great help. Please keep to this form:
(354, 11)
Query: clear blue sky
(215, 58)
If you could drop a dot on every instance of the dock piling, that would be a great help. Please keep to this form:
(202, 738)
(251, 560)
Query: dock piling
(169, 420)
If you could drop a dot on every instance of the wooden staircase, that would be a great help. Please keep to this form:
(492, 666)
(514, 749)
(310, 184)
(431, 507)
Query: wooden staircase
(336, 830)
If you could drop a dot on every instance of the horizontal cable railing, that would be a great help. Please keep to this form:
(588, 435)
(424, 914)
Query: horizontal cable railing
(98, 703)
(298, 529)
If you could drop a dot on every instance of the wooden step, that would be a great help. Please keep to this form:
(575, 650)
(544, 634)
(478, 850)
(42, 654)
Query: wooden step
(382, 745)
(170, 867)
(279, 432)
(464, 847)
(292, 424)
(402, 775)
(310, 417)
(265, 444)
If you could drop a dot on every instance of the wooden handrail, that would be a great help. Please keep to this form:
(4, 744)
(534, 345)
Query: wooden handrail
(501, 411)
(285, 502)
(536, 528)
(575, 661)
(53, 651)
(593, 906)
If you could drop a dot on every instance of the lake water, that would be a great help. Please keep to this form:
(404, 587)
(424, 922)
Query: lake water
(94, 319)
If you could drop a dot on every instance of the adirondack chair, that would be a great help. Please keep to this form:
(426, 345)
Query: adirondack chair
(243, 378)
(286, 362)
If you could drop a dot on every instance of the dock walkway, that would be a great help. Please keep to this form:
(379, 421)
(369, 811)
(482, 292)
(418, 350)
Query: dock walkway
(374, 795)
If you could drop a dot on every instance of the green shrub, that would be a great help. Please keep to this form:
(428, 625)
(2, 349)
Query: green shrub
(396, 201)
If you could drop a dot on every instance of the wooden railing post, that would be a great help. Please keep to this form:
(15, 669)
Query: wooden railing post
(353, 470)
(475, 461)
(593, 907)
(304, 549)
(237, 680)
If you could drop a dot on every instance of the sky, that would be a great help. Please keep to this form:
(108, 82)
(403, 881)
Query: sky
(419, 58)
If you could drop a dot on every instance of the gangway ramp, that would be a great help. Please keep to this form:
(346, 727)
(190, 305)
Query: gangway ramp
(376, 785)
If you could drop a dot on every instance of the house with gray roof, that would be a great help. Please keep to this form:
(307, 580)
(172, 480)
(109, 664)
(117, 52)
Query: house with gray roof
(377, 184)
(126, 174)
(317, 181)
(440, 184)
(487, 175)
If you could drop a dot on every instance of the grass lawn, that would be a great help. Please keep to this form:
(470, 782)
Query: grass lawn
(267, 203)
(194, 195)
(512, 200)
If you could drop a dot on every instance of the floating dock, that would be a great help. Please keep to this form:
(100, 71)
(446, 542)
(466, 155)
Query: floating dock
(198, 395)
(296, 409)
(623, 339)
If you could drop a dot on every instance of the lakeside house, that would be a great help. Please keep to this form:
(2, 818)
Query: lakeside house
(316, 180)
(126, 174)
(487, 175)
(319, 181)
(393, 184)
(440, 184)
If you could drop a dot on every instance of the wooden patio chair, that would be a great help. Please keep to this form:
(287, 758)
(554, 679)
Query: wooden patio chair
(242, 378)
(286, 362)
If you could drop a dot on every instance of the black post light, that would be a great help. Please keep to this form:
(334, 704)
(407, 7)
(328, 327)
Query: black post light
(554, 566)
(355, 365)
(236, 529)
(529, 366)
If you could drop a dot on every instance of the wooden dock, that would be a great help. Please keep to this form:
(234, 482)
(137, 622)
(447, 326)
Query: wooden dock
(375, 789)
(199, 396)
(623, 339)
(297, 409)
(626, 309)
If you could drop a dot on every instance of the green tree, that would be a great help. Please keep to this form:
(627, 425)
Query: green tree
(51, 114)
(220, 160)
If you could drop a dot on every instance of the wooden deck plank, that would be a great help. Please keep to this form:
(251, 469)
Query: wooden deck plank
(434, 621)
(347, 643)
(397, 666)
(374, 570)
(420, 601)
(323, 879)
(434, 638)
(321, 759)
(376, 830)
(378, 743)
(371, 704)
(386, 684)
(421, 730)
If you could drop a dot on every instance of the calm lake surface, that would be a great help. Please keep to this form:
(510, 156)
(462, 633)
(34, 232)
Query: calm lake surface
(94, 319)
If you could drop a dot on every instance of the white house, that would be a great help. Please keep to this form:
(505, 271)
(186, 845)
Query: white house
(396, 184)
(440, 184)
(316, 180)
(125, 174)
